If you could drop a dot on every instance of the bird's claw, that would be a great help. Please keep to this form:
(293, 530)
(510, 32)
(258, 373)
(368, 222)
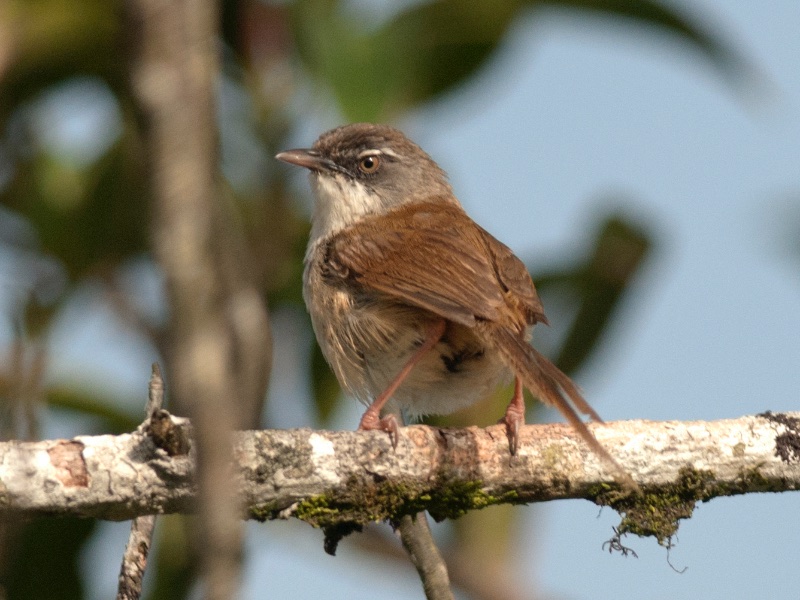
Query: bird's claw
(513, 420)
(371, 422)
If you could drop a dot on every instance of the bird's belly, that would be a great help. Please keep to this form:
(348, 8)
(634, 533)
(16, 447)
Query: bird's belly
(367, 343)
(450, 377)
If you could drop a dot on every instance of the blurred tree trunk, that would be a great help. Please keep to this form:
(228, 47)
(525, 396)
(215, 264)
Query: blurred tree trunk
(217, 350)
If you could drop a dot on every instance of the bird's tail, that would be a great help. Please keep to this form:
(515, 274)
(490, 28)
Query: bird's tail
(551, 386)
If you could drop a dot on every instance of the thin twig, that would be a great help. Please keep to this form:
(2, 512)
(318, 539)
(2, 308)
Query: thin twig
(134, 561)
(415, 533)
(155, 392)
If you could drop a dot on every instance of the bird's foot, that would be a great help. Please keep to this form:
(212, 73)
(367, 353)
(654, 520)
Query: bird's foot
(514, 419)
(371, 422)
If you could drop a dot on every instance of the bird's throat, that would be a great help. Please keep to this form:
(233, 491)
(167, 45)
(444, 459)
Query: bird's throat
(339, 203)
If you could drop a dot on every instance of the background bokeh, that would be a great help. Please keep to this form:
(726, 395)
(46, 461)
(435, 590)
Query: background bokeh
(642, 158)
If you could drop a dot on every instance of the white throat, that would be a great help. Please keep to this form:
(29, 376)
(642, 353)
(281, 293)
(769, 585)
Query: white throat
(339, 202)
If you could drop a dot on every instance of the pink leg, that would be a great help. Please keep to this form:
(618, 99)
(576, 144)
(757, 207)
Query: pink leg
(515, 416)
(372, 416)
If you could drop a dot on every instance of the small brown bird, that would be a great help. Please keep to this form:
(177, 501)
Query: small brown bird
(414, 305)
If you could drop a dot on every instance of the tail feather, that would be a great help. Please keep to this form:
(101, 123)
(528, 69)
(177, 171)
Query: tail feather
(566, 384)
(551, 386)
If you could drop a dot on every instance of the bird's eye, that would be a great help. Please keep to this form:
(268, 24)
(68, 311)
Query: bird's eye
(369, 164)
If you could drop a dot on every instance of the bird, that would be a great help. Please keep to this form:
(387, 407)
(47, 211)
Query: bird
(417, 308)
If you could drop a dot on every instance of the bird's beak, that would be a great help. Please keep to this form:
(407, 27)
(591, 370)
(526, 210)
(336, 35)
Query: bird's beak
(310, 159)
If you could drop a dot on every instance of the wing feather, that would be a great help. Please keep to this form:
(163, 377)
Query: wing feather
(432, 255)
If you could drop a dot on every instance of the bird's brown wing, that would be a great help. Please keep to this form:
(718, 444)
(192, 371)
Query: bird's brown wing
(515, 279)
(431, 255)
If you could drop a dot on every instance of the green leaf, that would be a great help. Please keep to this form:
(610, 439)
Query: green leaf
(44, 561)
(619, 251)
(357, 71)
(440, 45)
(416, 56)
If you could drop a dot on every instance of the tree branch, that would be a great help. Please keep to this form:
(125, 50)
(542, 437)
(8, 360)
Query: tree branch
(343, 479)
(134, 560)
(418, 542)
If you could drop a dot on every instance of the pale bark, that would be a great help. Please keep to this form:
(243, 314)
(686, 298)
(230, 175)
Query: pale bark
(328, 478)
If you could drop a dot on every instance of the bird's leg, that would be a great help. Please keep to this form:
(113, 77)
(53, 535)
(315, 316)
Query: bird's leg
(515, 416)
(372, 416)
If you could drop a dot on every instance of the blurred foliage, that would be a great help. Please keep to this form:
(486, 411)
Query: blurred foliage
(379, 73)
(599, 285)
(175, 571)
(114, 420)
(86, 219)
(45, 558)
